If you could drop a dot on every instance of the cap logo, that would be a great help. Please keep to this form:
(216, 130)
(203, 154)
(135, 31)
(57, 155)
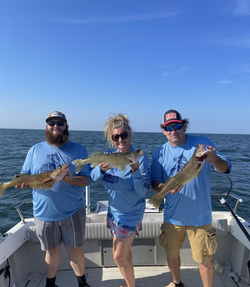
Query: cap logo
(56, 114)
(171, 116)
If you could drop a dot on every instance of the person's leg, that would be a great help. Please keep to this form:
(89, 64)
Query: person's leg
(203, 244)
(52, 261)
(171, 239)
(49, 235)
(73, 233)
(207, 273)
(174, 265)
(76, 259)
(123, 258)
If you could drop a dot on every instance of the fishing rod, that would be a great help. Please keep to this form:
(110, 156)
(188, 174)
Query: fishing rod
(224, 202)
(225, 189)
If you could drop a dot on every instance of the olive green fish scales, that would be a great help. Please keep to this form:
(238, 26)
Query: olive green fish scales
(189, 171)
(119, 159)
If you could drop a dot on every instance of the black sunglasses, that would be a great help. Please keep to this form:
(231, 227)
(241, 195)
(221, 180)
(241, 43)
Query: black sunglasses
(123, 136)
(53, 123)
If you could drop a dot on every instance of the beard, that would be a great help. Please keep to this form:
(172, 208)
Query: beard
(59, 139)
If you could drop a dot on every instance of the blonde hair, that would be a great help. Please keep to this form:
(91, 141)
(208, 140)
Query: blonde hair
(116, 122)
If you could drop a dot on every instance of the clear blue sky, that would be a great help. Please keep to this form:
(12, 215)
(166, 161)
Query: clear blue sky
(89, 58)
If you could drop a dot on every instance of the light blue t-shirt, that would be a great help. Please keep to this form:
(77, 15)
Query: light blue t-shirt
(63, 199)
(192, 205)
(126, 191)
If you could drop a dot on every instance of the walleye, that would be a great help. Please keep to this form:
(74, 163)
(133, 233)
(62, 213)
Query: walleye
(189, 171)
(118, 159)
(42, 180)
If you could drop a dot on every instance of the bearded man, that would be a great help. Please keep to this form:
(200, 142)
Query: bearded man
(59, 213)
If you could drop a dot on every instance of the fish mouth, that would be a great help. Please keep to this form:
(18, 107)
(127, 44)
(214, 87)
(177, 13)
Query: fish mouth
(201, 152)
(202, 157)
(132, 160)
(140, 151)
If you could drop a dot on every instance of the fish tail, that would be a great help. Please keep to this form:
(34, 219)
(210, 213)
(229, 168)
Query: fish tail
(78, 164)
(155, 200)
(3, 187)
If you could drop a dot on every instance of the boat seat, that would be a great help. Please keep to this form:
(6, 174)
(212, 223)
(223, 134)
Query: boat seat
(98, 230)
(150, 229)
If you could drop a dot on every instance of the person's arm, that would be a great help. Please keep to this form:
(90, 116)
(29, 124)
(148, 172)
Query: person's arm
(79, 180)
(141, 175)
(220, 164)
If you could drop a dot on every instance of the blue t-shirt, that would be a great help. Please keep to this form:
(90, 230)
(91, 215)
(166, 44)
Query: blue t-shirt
(126, 191)
(63, 199)
(192, 205)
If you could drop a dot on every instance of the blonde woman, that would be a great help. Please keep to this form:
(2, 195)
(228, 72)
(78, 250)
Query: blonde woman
(126, 191)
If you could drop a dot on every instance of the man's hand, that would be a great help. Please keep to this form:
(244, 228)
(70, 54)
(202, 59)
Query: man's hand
(177, 189)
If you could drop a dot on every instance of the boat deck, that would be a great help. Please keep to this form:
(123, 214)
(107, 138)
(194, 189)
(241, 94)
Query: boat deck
(150, 276)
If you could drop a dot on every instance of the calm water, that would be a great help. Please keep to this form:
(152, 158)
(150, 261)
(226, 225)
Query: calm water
(14, 145)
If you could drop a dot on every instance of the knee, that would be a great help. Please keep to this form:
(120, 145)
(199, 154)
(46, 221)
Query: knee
(119, 259)
(207, 265)
(54, 251)
(77, 251)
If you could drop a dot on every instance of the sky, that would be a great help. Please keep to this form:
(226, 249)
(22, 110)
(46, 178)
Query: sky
(92, 58)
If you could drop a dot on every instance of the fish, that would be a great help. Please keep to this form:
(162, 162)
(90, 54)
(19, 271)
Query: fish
(188, 172)
(42, 180)
(118, 159)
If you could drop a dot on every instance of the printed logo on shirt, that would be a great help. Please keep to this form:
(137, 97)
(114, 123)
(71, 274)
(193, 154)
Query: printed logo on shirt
(110, 178)
(55, 162)
(180, 162)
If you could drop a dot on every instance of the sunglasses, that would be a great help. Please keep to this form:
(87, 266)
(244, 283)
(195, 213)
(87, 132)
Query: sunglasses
(123, 136)
(53, 123)
(175, 127)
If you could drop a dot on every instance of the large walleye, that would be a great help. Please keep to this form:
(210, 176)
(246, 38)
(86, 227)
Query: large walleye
(189, 171)
(118, 159)
(42, 180)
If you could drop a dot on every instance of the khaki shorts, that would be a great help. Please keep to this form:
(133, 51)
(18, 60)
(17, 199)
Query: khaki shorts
(201, 238)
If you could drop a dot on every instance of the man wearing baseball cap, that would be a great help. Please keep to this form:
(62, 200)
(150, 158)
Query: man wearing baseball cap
(56, 114)
(60, 209)
(187, 209)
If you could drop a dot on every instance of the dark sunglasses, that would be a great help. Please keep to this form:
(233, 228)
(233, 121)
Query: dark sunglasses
(53, 123)
(175, 127)
(123, 136)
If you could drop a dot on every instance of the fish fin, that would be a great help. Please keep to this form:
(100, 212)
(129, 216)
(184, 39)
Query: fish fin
(122, 168)
(95, 153)
(3, 187)
(48, 184)
(79, 163)
(198, 173)
(94, 165)
(155, 200)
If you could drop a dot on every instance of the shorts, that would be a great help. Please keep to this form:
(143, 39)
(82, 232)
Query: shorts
(201, 238)
(121, 230)
(70, 231)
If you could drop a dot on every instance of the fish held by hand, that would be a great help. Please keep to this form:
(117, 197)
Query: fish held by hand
(42, 180)
(189, 171)
(118, 159)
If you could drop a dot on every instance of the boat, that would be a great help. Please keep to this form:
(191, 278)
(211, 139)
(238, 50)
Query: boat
(22, 260)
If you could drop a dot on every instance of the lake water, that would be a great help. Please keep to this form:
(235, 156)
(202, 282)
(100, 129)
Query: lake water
(15, 143)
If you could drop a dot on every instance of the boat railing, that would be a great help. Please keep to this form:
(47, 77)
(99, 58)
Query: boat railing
(17, 208)
(238, 200)
(88, 203)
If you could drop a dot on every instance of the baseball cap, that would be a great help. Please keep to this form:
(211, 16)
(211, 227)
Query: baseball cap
(56, 114)
(171, 116)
